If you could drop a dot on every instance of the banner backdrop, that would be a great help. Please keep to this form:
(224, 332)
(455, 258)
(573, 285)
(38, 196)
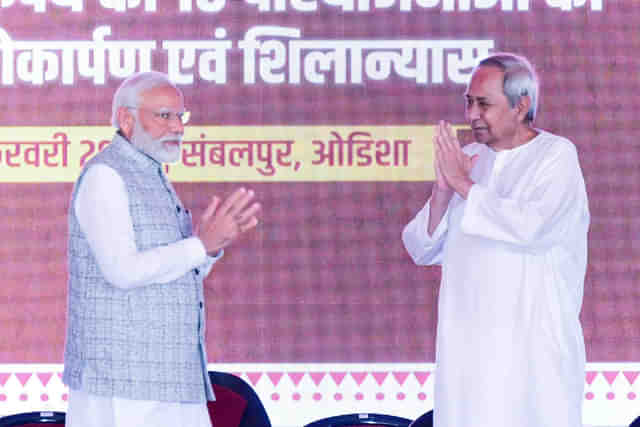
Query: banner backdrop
(326, 109)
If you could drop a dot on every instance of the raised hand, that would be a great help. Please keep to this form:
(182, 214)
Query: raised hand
(453, 164)
(441, 183)
(223, 222)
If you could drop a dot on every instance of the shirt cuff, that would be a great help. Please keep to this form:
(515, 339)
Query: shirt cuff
(440, 229)
(216, 257)
(202, 251)
(195, 250)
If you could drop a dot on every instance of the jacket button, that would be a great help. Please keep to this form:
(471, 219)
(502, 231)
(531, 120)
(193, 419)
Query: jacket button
(178, 209)
(197, 271)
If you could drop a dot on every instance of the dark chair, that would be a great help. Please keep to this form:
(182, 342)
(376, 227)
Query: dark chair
(424, 420)
(34, 419)
(635, 423)
(361, 420)
(236, 404)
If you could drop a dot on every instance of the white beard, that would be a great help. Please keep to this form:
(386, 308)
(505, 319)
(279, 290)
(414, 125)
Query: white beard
(155, 148)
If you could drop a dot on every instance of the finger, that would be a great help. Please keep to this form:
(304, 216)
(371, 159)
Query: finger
(241, 203)
(448, 130)
(440, 157)
(452, 136)
(231, 200)
(455, 148)
(248, 213)
(443, 148)
(436, 167)
(253, 221)
(442, 130)
(437, 158)
(438, 129)
(437, 145)
(445, 156)
(437, 161)
(448, 137)
(445, 138)
(211, 209)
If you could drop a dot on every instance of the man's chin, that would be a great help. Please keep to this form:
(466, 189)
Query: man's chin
(479, 134)
(169, 158)
(171, 145)
(165, 156)
(170, 152)
(482, 138)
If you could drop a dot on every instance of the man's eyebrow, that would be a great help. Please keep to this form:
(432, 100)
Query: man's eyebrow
(169, 109)
(479, 98)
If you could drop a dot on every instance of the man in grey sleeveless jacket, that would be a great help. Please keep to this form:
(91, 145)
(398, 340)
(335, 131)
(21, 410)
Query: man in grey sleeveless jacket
(135, 352)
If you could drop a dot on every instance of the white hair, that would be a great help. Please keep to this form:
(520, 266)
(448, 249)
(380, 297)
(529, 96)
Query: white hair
(128, 93)
(520, 79)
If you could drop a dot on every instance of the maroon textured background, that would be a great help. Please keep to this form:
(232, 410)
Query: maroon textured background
(325, 277)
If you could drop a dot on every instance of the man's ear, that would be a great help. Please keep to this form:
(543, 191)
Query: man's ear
(126, 121)
(523, 105)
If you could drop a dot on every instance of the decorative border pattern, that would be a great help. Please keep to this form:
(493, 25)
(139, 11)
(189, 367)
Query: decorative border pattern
(296, 394)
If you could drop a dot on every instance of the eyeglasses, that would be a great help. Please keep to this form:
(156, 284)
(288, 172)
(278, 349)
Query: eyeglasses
(166, 116)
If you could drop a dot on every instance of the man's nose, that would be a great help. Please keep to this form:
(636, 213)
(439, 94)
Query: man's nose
(176, 125)
(472, 112)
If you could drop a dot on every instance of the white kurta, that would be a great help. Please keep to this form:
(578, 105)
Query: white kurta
(102, 208)
(509, 349)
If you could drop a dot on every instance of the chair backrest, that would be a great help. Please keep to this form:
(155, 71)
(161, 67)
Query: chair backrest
(361, 420)
(635, 423)
(236, 404)
(424, 420)
(27, 419)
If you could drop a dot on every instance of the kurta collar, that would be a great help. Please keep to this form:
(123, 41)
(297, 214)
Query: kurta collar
(520, 148)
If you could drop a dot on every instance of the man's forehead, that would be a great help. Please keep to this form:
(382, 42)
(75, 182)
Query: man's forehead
(163, 95)
(486, 82)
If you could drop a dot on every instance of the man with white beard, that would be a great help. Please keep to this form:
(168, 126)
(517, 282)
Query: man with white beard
(135, 352)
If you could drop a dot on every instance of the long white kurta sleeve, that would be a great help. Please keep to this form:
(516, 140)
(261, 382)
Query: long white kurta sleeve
(102, 209)
(423, 248)
(510, 349)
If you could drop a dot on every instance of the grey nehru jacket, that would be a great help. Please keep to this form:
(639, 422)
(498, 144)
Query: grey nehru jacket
(145, 343)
